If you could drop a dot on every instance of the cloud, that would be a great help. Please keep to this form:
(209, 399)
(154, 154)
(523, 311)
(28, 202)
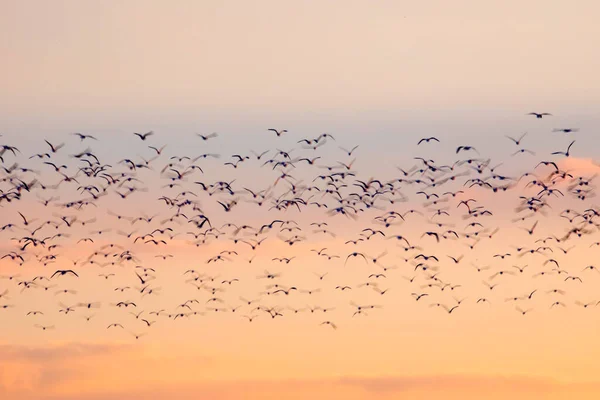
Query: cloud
(89, 371)
(347, 388)
(32, 369)
(448, 382)
(580, 166)
(44, 354)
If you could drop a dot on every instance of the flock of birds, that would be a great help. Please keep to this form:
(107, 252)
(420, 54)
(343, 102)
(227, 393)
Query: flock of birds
(429, 224)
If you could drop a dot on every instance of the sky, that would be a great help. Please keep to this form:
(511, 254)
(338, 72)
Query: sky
(379, 75)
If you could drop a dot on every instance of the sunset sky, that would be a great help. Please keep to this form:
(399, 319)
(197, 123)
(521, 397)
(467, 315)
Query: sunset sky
(379, 75)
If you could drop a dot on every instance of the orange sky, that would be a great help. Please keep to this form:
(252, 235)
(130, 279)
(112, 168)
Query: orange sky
(405, 348)
(378, 75)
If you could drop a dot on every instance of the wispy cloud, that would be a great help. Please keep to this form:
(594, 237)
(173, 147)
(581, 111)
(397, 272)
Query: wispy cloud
(35, 369)
(447, 382)
(42, 354)
(347, 388)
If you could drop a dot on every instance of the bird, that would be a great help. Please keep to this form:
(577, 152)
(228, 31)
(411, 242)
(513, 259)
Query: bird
(206, 137)
(418, 296)
(466, 148)
(566, 130)
(278, 132)
(64, 273)
(54, 148)
(565, 153)
(83, 136)
(428, 139)
(539, 115)
(334, 326)
(517, 141)
(523, 312)
(144, 136)
(44, 327)
(349, 152)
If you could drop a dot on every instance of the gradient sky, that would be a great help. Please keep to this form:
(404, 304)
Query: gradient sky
(378, 74)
